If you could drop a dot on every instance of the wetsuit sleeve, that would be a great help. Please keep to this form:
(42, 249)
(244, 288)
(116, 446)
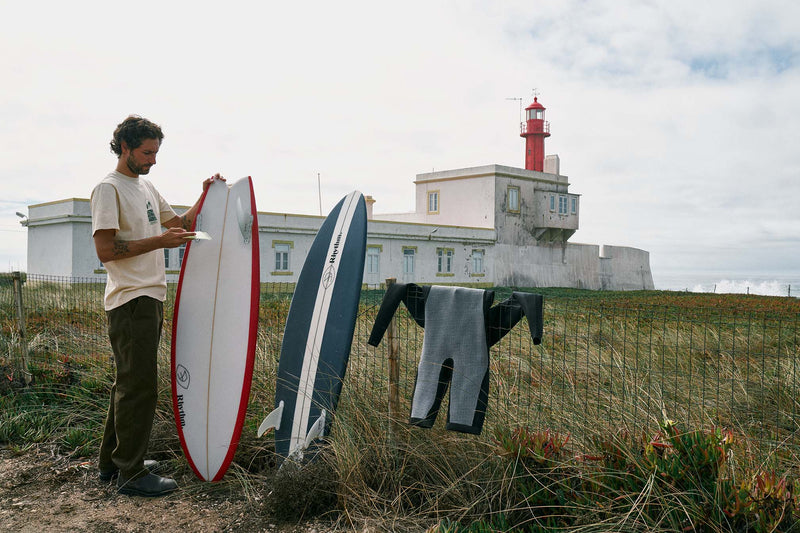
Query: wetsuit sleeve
(532, 306)
(500, 319)
(505, 315)
(412, 295)
(394, 295)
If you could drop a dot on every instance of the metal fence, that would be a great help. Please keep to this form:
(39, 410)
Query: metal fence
(601, 366)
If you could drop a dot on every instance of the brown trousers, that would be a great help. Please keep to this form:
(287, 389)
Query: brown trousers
(134, 329)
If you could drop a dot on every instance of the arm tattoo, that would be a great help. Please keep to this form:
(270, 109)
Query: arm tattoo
(186, 223)
(120, 248)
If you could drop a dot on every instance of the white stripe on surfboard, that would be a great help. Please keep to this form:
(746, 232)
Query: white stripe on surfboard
(316, 329)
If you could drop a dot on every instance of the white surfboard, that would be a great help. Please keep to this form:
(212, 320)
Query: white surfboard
(214, 328)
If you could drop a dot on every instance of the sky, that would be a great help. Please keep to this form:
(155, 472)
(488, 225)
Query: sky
(676, 121)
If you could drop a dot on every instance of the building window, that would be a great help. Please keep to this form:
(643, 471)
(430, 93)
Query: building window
(433, 202)
(535, 114)
(574, 208)
(282, 257)
(552, 203)
(477, 262)
(562, 205)
(444, 263)
(181, 251)
(513, 199)
(409, 254)
(166, 257)
(373, 260)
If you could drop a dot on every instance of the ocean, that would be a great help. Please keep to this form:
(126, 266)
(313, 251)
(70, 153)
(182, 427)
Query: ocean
(730, 283)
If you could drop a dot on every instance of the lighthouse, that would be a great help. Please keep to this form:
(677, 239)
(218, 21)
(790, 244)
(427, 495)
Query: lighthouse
(534, 130)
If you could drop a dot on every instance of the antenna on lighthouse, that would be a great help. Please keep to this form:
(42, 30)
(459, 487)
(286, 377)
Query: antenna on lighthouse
(520, 107)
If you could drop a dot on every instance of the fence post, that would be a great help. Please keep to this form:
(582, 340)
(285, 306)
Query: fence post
(394, 366)
(23, 342)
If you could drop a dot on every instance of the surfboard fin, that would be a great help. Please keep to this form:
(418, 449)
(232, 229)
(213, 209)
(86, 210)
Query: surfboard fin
(316, 430)
(245, 221)
(273, 420)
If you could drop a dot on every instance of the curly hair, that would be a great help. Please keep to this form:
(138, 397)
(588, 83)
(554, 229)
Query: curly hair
(133, 131)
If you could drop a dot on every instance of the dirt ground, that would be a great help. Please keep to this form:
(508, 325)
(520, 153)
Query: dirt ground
(41, 491)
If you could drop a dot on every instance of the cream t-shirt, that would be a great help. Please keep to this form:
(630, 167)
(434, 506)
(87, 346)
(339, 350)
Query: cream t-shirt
(134, 208)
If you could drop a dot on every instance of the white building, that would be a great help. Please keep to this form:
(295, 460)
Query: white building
(489, 225)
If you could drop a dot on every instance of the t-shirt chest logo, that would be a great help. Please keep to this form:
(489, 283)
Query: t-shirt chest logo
(151, 215)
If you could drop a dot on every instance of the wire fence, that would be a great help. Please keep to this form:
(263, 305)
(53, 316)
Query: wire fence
(601, 367)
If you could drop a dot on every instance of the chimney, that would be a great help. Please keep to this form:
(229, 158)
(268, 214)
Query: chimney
(370, 201)
(552, 164)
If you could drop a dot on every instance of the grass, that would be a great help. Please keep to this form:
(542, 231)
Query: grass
(578, 434)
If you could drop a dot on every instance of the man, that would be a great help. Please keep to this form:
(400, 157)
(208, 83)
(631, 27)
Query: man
(127, 216)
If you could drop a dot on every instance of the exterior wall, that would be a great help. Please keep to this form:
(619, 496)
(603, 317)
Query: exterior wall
(391, 238)
(573, 265)
(413, 218)
(50, 249)
(517, 227)
(552, 217)
(84, 258)
(527, 225)
(385, 239)
(57, 238)
(624, 268)
(512, 225)
(554, 222)
(463, 196)
(570, 265)
(296, 231)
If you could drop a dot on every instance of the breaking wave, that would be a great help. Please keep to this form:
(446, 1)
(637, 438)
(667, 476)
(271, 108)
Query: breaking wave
(727, 284)
(764, 288)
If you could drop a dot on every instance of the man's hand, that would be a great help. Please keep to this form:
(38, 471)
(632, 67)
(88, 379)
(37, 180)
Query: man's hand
(186, 220)
(174, 237)
(211, 180)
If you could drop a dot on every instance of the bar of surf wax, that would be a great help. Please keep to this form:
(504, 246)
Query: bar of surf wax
(200, 236)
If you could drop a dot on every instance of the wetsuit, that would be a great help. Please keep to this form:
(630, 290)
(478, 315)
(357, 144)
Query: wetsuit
(460, 326)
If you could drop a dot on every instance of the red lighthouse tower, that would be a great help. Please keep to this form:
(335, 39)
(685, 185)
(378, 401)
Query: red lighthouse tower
(534, 129)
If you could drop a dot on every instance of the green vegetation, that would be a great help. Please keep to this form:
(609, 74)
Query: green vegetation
(640, 411)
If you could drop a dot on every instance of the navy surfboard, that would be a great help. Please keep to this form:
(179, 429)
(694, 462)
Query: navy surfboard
(319, 330)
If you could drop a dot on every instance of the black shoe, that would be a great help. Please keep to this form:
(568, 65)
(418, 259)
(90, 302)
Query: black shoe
(108, 475)
(149, 485)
